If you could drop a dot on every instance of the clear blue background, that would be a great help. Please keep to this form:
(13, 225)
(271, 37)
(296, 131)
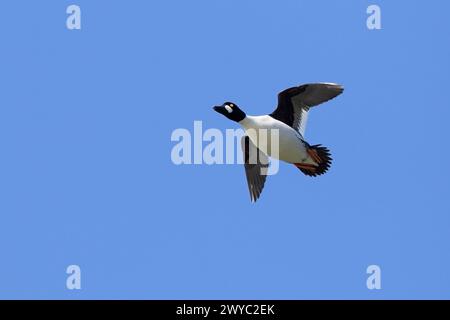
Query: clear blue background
(86, 176)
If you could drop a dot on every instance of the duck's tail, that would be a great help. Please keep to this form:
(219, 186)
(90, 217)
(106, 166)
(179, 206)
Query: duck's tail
(321, 156)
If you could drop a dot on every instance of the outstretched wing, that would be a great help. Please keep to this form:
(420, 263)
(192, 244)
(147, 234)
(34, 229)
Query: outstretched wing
(294, 103)
(256, 164)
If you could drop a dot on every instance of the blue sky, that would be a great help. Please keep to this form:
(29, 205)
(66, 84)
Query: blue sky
(86, 176)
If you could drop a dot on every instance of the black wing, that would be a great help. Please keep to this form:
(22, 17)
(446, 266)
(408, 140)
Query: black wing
(256, 164)
(294, 103)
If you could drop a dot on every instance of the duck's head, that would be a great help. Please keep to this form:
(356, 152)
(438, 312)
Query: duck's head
(231, 111)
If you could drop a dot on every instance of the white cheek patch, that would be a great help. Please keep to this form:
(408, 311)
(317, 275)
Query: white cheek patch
(229, 109)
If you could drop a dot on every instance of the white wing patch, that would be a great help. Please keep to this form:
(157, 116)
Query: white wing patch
(303, 119)
(300, 117)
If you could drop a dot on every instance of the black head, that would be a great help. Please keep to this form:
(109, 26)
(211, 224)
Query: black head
(231, 111)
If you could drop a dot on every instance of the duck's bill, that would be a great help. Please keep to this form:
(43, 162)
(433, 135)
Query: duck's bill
(219, 109)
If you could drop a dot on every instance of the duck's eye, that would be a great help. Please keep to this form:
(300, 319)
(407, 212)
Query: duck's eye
(229, 108)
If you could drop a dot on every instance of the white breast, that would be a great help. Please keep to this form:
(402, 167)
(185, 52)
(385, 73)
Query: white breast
(291, 149)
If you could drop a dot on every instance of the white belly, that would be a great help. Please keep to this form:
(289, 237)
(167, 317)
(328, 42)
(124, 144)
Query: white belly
(266, 132)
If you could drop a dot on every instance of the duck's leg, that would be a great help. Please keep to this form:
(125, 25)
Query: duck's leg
(306, 166)
(314, 155)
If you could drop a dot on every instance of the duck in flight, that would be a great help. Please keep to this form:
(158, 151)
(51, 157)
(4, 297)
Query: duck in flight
(289, 119)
